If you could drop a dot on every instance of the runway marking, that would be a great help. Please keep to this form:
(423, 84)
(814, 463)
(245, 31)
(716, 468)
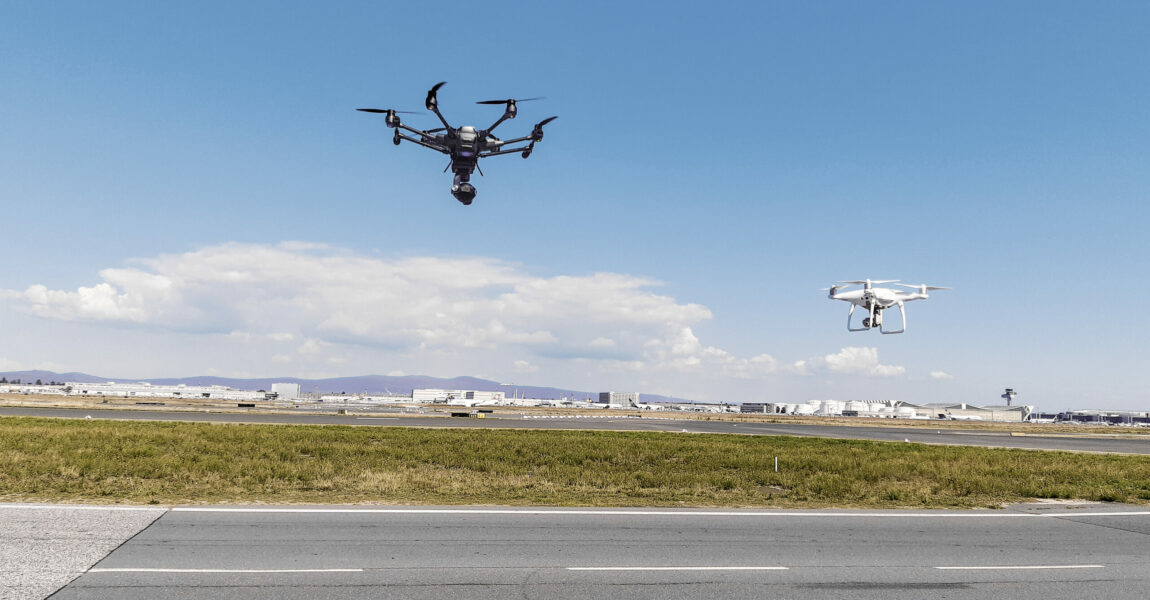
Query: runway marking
(160, 570)
(79, 507)
(660, 513)
(1020, 567)
(377, 418)
(678, 568)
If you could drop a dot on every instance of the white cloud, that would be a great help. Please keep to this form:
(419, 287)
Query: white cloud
(940, 375)
(322, 298)
(602, 342)
(851, 360)
(522, 366)
(310, 347)
(249, 337)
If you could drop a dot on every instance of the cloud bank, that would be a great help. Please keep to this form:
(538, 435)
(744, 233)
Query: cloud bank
(310, 302)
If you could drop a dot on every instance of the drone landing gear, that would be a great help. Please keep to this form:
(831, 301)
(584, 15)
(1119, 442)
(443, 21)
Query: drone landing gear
(901, 311)
(874, 320)
(463, 191)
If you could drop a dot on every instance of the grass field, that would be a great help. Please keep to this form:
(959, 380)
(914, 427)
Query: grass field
(58, 460)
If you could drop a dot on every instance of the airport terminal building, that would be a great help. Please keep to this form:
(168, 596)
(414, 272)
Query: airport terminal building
(893, 409)
(112, 389)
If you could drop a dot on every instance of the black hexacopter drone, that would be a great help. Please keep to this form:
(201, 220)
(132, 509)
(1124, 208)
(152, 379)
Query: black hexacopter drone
(465, 145)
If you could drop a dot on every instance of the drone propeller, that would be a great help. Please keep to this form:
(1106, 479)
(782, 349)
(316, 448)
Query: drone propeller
(384, 111)
(537, 131)
(867, 283)
(431, 101)
(922, 288)
(509, 100)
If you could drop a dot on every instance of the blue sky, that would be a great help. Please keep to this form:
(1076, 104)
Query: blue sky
(187, 190)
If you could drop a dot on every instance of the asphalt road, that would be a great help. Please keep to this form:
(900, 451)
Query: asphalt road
(972, 437)
(1027, 552)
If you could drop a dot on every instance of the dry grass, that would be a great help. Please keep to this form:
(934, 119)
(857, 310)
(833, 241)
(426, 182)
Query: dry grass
(175, 463)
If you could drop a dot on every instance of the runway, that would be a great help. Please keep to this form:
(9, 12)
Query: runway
(1027, 552)
(959, 437)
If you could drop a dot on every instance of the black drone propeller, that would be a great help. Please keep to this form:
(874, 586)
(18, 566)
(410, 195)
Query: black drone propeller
(537, 131)
(509, 100)
(384, 111)
(431, 102)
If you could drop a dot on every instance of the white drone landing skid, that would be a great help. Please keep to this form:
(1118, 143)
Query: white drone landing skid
(876, 314)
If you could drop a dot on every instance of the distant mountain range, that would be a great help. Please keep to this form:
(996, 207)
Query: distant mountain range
(364, 384)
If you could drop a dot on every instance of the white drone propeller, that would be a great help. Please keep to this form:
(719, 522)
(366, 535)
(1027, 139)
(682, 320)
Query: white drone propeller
(923, 288)
(867, 283)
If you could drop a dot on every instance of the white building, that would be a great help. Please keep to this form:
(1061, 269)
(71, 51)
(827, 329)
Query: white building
(969, 412)
(456, 397)
(619, 399)
(286, 391)
(144, 389)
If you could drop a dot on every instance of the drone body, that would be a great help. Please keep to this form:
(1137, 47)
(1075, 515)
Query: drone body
(876, 299)
(464, 145)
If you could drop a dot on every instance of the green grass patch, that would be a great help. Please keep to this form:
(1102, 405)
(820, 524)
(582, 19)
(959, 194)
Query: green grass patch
(55, 460)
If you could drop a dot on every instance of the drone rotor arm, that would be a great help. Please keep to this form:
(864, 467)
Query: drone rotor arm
(435, 147)
(435, 109)
(496, 123)
(517, 140)
(502, 150)
(419, 132)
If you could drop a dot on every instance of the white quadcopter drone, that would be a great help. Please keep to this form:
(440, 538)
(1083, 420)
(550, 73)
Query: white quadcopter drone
(876, 299)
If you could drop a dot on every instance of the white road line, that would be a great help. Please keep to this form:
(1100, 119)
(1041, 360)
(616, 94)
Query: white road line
(377, 418)
(625, 513)
(1020, 567)
(678, 568)
(78, 507)
(1141, 513)
(660, 513)
(150, 570)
